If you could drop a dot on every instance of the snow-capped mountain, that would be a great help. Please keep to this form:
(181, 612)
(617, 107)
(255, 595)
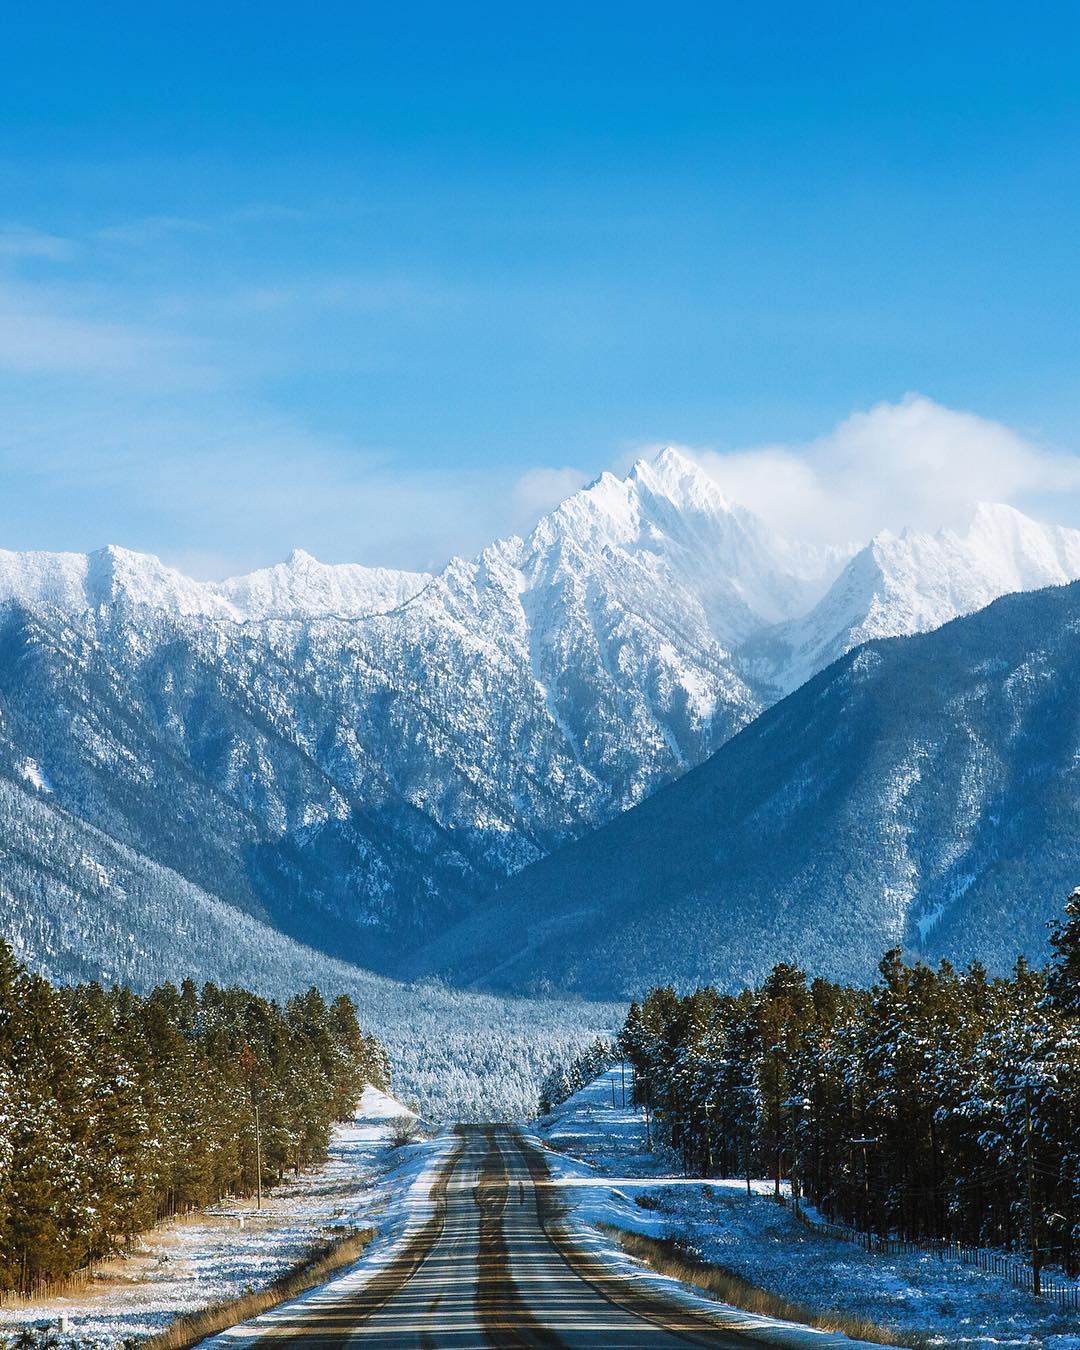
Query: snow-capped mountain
(921, 791)
(300, 587)
(354, 755)
(357, 756)
(303, 587)
(911, 583)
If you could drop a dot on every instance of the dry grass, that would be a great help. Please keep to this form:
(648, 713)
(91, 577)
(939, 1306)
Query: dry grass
(315, 1269)
(75, 1283)
(668, 1258)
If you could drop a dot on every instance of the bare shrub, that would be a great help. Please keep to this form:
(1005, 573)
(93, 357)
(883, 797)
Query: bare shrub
(403, 1130)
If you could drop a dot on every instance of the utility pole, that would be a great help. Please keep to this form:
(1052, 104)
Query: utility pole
(258, 1159)
(1033, 1229)
(622, 1070)
(249, 1066)
(864, 1142)
(794, 1105)
(708, 1139)
(648, 1127)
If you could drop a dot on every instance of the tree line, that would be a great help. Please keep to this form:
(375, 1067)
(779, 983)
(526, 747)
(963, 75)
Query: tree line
(935, 1105)
(119, 1110)
(565, 1079)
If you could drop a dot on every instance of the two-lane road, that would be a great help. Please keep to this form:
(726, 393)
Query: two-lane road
(493, 1266)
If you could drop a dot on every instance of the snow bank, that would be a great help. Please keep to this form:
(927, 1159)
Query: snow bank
(603, 1167)
(377, 1106)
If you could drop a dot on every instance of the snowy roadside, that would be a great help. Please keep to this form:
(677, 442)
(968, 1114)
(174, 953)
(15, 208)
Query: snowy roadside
(410, 1206)
(215, 1255)
(605, 1172)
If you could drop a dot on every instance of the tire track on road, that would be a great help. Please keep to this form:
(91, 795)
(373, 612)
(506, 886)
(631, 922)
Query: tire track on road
(503, 1313)
(688, 1324)
(336, 1325)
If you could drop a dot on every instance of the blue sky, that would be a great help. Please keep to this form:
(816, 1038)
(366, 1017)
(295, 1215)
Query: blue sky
(382, 281)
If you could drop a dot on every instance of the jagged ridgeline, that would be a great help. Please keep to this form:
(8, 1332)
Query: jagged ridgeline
(935, 1105)
(921, 792)
(311, 772)
(117, 1111)
(354, 757)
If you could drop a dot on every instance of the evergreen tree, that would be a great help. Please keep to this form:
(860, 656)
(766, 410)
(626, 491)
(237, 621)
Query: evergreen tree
(935, 1105)
(116, 1110)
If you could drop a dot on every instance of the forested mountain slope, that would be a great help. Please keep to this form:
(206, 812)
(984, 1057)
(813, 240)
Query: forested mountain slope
(356, 757)
(922, 791)
(99, 911)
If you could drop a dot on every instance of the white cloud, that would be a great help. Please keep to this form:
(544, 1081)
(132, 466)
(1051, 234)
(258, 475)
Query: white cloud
(540, 490)
(912, 463)
(35, 343)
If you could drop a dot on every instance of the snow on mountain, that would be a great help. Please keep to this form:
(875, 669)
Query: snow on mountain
(617, 615)
(303, 587)
(357, 755)
(921, 791)
(354, 755)
(75, 582)
(911, 583)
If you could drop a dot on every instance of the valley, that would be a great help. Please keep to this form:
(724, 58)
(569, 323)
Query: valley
(539, 676)
(360, 762)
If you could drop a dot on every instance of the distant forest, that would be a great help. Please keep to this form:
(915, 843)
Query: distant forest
(935, 1105)
(117, 1110)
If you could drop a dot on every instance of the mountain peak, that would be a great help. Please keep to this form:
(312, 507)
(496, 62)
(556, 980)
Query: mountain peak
(997, 511)
(659, 496)
(674, 475)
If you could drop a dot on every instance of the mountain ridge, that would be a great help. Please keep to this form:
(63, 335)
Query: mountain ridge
(358, 756)
(914, 581)
(921, 791)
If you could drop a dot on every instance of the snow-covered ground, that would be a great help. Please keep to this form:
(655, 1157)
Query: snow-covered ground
(208, 1257)
(605, 1169)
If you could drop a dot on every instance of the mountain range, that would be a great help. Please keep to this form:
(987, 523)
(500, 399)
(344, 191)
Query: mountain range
(920, 792)
(359, 759)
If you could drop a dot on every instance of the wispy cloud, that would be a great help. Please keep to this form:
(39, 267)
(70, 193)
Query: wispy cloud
(358, 293)
(150, 229)
(539, 490)
(17, 241)
(141, 405)
(260, 212)
(225, 485)
(52, 331)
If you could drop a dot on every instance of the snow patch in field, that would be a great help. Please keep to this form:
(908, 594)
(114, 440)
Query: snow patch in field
(376, 1105)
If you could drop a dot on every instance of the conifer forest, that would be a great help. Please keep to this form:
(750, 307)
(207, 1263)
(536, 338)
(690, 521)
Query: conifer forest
(935, 1105)
(119, 1110)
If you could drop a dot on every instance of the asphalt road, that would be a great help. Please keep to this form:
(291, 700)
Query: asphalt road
(493, 1266)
